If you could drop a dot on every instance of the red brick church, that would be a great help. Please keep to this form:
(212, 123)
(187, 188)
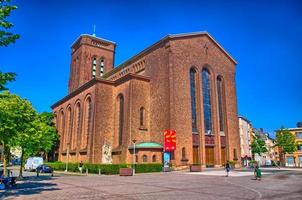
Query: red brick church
(184, 82)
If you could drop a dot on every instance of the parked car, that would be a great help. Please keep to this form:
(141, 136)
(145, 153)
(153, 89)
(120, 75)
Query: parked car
(8, 180)
(44, 169)
(32, 163)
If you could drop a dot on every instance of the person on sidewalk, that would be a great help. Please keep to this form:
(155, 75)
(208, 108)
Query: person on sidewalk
(258, 173)
(227, 168)
(81, 167)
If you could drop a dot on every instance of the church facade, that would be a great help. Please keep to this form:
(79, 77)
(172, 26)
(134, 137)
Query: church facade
(183, 82)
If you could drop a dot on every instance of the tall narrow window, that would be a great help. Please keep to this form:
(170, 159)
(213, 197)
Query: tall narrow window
(62, 128)
(154, 158)
(87, 123)
(121, 119)
(206, 91)
(145, 158)
(193, 99)
(142, 116)
(93, 67)
(183, 153)
(68, 127)
(220, 108)
(102, 65)
(76, 131)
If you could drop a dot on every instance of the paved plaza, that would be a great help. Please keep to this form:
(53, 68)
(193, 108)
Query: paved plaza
(210, 184)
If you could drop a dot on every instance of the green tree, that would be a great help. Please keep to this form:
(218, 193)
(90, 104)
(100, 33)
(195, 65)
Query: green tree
(38, 138)
(285, 140)
(258, 146)
(6, 38)
(16, 116)
(5, 78)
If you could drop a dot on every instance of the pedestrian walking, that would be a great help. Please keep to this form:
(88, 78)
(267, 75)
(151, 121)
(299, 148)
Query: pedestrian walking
(258, 173)
(227, 168)
(81, 167)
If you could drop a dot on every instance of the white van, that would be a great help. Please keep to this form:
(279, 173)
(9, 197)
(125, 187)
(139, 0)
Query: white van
(32, 163)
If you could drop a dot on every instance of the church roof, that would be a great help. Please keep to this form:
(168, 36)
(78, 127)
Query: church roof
(94, 37)
(164, 39)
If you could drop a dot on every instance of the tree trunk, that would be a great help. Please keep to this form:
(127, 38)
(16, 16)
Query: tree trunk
(4, 159)
(21, 164)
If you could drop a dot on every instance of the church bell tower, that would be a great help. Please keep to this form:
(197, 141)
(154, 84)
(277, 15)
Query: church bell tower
(91, 57)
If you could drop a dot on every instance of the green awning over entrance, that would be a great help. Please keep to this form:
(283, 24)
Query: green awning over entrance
(147, 145)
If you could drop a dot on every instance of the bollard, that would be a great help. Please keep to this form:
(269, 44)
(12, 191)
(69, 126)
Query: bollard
(100, 172)
(86, 171)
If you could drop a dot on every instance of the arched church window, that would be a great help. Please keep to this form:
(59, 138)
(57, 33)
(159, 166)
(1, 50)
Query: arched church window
(68, 127)
(154, 158)
(142, 116)
(77, 124)
(206, 91)
(102, 66)
(183, 153)
(121, 119)
(193, 99)
(93, 67)
(87, 123)
(220, 102)
(62, 128)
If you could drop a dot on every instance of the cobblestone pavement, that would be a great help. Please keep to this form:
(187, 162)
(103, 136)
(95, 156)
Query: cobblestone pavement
(276, 184)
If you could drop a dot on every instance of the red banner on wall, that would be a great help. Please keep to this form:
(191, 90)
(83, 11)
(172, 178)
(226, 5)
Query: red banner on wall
(169, 140)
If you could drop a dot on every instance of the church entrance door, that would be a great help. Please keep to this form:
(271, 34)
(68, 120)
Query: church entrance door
(223, 158)
(210, 156)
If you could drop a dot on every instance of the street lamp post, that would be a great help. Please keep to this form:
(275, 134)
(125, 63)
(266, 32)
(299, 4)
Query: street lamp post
(134, 141)
(67, 157)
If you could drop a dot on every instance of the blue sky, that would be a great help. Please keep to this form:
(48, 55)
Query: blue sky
(265, 37)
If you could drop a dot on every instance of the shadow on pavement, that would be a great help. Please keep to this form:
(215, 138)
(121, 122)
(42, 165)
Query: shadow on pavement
(29, 186)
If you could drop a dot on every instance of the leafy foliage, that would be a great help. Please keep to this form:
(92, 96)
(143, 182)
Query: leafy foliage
(285, 140)
(258, 146)
(21, 126)
(16, 115)
(106, 168)
(5, 78)
(6, 37)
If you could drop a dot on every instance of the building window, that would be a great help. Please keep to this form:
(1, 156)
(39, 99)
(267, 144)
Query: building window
(154, 158)
(87, 123)
(145, 158)
(290, 161)
(68, 127)
(220, 104)
(102, 66)
(62, 128)
(142, 116)
(299, 135)
(77, 123)
(93, 67)
(299, 147)
(235, 154)
(183, 153)
(207, 111)
(193, 99)
(136, 158)
(121, 119)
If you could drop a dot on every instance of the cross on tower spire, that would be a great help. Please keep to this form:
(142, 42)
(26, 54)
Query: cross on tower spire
(94, 31)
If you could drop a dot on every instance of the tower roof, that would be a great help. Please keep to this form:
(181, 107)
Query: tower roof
(93, 37)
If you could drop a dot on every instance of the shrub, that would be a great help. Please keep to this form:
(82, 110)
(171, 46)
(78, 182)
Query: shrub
(148, 167)
(232, 163)
(105, 168)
